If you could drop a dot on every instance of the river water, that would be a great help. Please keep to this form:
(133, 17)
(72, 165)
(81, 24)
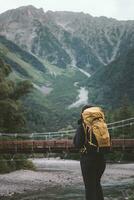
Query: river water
(61, 179)
(82, 98)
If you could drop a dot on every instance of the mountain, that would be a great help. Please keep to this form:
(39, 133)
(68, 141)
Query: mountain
(53, 88)
(26, 27)
(70, 58)
(22, 62)
(114, 82)
(67, 38)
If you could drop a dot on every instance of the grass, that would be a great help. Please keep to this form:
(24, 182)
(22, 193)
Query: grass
(9, 163)
(36, 75)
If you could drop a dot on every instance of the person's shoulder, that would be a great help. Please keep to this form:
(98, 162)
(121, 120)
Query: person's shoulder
(80, 128)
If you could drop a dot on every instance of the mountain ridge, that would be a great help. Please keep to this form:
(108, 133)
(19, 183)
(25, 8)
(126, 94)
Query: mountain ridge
(45, 33)
(62, 53)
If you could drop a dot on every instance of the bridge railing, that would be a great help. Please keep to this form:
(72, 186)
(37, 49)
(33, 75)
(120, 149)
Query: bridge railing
(122, 133)
(122, 129)
(118, 129)
(38, 136)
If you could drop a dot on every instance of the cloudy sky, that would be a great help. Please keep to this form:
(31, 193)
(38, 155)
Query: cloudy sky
(119, 9)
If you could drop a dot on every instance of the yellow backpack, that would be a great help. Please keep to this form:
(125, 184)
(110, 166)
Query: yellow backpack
(94, 123)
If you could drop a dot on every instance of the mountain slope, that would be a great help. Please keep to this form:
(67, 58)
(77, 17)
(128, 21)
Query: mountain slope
(67, 38)
(54, 88)
(21, 61)
(64, 54)
(114, 82)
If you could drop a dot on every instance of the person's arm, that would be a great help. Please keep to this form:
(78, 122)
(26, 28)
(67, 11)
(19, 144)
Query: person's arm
(79, 138)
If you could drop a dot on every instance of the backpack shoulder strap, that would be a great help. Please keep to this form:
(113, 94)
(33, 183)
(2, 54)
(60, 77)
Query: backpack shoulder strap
(90, 131)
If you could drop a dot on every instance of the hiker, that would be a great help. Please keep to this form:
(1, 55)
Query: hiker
(92, 159)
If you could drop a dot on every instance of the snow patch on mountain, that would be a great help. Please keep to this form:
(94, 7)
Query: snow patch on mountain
(44, 89)
(116, 48)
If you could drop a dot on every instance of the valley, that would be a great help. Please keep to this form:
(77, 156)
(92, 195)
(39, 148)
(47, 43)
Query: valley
(54, 50)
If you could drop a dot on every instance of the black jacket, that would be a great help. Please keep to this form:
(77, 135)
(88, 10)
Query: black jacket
(79, 138)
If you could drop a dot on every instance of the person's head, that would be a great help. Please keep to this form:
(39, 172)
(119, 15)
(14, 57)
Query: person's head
(85, 107)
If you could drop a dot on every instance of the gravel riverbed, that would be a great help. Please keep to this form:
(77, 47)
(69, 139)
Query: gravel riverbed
(60, 173)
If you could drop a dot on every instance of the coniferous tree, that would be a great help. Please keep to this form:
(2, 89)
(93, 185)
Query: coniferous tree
(11, 112)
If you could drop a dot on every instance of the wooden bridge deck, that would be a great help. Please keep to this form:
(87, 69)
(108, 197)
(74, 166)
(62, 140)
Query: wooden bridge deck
(42, 146)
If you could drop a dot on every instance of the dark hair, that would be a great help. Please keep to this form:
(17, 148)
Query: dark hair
(82, 110)
(85, 107)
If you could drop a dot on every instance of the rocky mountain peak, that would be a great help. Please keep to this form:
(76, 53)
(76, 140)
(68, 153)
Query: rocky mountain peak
(65, 18)
(31, 11)
(19, 24)
(82, 40)
(21, 15)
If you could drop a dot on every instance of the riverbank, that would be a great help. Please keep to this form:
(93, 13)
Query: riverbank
(60, 173)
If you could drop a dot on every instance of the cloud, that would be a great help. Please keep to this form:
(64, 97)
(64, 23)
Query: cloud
(125, 9)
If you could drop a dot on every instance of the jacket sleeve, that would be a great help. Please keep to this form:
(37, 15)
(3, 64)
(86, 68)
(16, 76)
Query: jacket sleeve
(79, 138)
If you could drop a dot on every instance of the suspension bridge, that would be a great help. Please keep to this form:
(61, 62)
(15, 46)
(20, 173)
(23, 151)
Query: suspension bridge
(122, 134)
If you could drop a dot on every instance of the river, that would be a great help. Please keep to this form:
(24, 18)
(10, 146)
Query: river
(81, 99)
(61, 179)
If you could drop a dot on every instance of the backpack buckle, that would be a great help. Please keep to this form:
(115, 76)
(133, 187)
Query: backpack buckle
(83, 149)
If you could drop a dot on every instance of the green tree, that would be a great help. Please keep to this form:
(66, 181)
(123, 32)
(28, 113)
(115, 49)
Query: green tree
(125, 110)
(12, 115)
(11, 112)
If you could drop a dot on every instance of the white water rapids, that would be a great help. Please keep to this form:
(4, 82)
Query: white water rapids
(81, 99)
